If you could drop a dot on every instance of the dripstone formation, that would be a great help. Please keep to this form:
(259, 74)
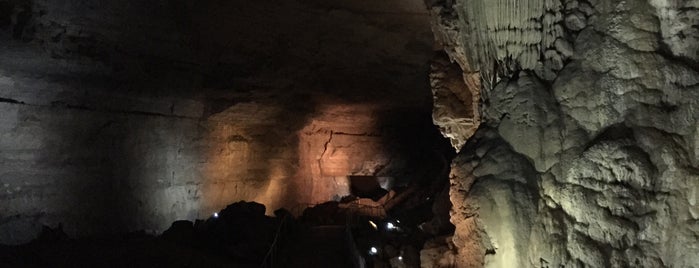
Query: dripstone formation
(586, 154)
(575, 125)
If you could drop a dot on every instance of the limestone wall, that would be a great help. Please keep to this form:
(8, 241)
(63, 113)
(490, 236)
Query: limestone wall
(126, 116)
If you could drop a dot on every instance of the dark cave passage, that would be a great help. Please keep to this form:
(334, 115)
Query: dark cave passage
(120, 119)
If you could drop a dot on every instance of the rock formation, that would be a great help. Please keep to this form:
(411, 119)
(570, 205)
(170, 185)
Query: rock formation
(456, 98)
(123, 116)
(575, 121)
(587, 151)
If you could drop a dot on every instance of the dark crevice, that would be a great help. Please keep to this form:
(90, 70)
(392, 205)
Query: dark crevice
(59, 104)
(357, 134)
(127, 112)
(5, 100)
(325, 149)
(613, 132)
(665, 51)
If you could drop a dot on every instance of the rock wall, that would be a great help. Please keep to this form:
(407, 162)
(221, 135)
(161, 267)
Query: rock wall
(591, 160)
(126, 116)
(456, 97)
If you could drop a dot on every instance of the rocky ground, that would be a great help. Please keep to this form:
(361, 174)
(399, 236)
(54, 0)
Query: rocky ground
(238, 236)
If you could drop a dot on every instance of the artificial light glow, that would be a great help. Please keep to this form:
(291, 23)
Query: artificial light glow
(373, 251)
(373, 225)
(215, 214)
(400, 258)
(390, 226)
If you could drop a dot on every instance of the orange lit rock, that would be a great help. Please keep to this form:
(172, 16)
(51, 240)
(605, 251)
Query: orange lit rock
(341, 140)
(456, 96)
(240, 164)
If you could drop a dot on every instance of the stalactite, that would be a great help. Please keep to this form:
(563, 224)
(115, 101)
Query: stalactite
(513, 33)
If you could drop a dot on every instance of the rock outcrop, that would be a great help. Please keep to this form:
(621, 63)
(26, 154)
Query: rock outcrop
(456, 97)
(586, 154)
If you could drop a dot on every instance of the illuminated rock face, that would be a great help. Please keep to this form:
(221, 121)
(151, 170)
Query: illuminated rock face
(586, 155)
(456, 95)
(126, 116)
(342, 140)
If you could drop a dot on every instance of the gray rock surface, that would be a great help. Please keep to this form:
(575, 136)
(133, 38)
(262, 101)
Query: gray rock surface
(528, 117)
(589, 160)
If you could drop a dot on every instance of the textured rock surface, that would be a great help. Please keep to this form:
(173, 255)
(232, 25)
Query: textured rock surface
(125, 116)
(509, 35)
(491, 215)
(586, 155)
(437, 253)
(456, 97)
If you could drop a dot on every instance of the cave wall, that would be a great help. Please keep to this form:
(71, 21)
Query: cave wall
(123, 116)
(586, 153)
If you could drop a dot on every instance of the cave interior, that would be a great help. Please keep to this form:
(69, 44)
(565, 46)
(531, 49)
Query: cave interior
(349, 133)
